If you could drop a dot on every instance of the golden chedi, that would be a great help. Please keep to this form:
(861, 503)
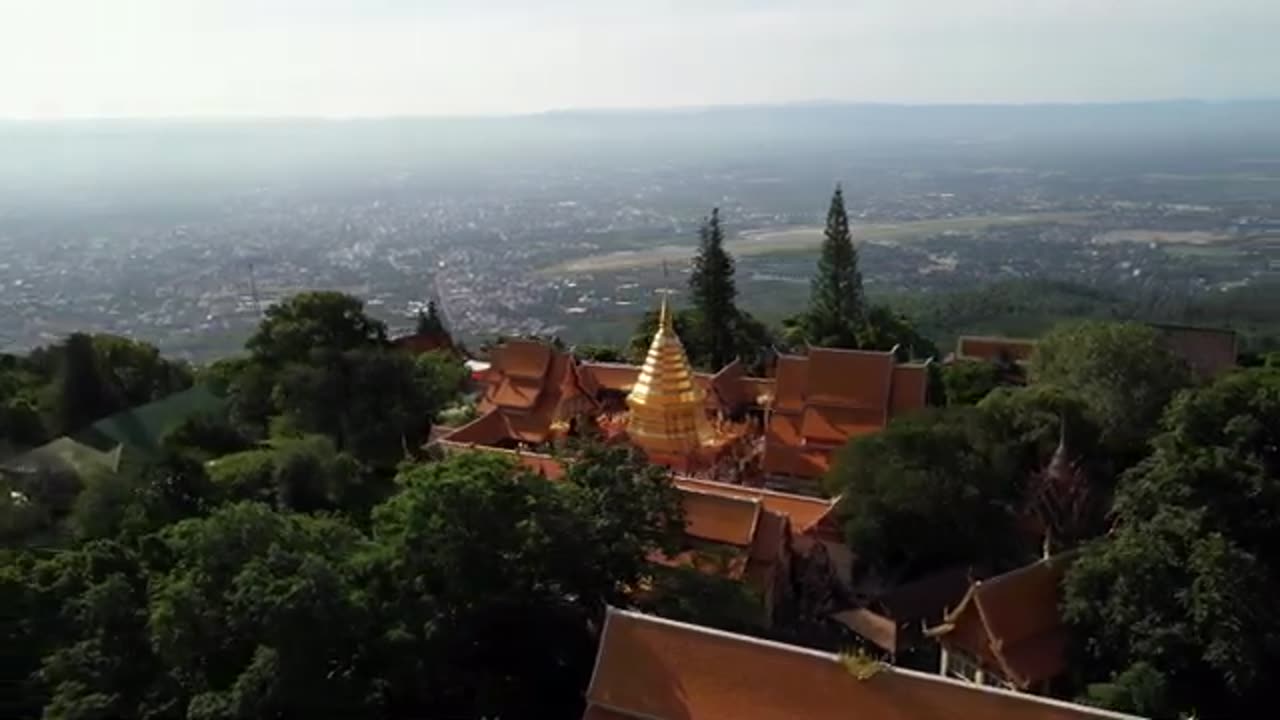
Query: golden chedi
(668, 415)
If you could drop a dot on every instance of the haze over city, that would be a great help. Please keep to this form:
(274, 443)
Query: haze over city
(661, 359)
(248, 58)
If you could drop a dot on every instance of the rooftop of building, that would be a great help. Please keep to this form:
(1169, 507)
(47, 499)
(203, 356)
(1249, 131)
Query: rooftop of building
(1010, 623)
(649, 668)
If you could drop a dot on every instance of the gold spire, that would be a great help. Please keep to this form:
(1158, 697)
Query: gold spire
(668, 415)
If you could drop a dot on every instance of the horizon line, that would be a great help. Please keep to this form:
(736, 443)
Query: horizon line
(621, 110)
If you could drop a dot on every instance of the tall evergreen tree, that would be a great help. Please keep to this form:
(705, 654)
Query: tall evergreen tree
(430, 322)
(713, 290)
(79, 394)
(836, 311)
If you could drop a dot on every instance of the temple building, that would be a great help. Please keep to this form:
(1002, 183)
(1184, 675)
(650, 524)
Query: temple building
(823, 399)
(650, 668)
(668, 417)
(1001, 350)
(723, 426)
(1006, 631)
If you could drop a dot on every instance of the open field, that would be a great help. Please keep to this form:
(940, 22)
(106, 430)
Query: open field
(1191, 237)
(805, 239)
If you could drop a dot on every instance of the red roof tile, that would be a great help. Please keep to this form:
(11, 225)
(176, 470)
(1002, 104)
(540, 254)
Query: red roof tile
(833, 426)
(849, 378)
(824, 399)
(654, 669)
(720, 518)
(488, 429)
(612, 376)
(910, 388)
(805, 513)
(419, 343)
(1208, 351)
(526, 359)
(1011, 623)
(994, 349)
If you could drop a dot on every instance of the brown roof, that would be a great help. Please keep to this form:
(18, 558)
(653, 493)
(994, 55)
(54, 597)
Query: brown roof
(835, 425)
(1208, 351)
(880, 630)
(791, 383)
(612, 376)
(805, 513)
(910, 388)
(649, 668)
(531, 386)
(419, 343)
(829, 396)
(719, 517)
(1010, 623)
(526, 359)
(488, 429)
(849, 378)
(895, 618)
(992, 349)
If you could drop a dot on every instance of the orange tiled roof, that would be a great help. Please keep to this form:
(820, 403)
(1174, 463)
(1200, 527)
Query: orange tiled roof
(824, 399)
(910, 388)
(893, 620)
(649, 668)
(720, 518)
(419, 343)
(805, 513)
(835, 425)
(849, 378)
(612, 376)
(488, 429)
(791, 383)
(526, 359)
(1011, 623)
(992, 349)
(532, 386)
(784, 451)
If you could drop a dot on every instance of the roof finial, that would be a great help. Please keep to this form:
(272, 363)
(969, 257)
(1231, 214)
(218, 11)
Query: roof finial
(664, 312)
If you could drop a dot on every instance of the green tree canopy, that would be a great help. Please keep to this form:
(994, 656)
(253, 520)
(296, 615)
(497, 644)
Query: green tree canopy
(1121, 370)
(1185, 580)
(714, 293)
(323, 322)
(929, 491)
(492, 575)
(966, 382)
(752, 341)
(836, 312)
(430, 322)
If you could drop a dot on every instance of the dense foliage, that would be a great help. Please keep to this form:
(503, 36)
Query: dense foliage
(298, 556)
(63, 388)
(1181, 594)
(471, 591)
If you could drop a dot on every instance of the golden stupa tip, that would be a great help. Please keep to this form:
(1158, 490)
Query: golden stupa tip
(664, 314)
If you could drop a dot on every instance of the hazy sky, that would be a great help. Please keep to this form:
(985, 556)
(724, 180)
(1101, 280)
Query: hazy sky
(436, 57)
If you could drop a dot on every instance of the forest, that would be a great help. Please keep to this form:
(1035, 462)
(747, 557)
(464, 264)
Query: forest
(291, 548)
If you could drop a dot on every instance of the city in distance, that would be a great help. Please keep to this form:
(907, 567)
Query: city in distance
(179, 232)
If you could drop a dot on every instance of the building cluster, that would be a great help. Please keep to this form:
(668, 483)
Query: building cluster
(745, 454)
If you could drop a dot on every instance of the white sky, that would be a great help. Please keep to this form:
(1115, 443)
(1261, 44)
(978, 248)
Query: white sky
(63, 58)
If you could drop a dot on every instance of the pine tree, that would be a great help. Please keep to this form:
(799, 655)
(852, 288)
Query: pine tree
(836, 311)
(430, 322)
(79, 393)
(713, 290)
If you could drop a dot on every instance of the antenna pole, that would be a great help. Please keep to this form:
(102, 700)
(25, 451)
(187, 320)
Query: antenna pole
(253, 289)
